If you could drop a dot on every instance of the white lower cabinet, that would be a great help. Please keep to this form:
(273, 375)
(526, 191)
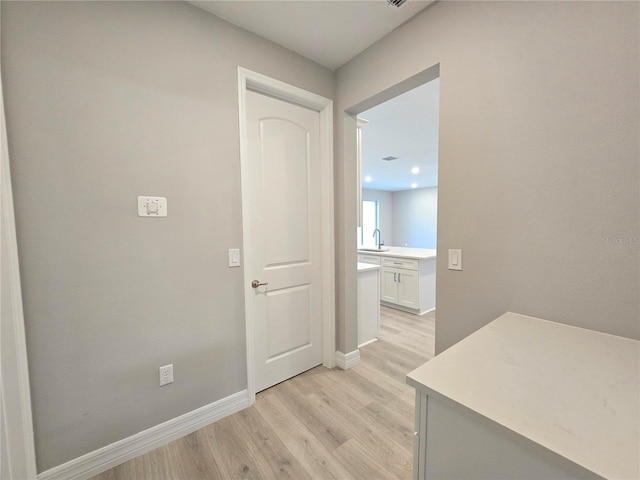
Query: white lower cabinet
(400, 286)
(452, 442)
(406, 283)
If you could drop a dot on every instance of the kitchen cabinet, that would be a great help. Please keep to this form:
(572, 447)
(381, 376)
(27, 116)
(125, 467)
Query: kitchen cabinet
(400, 286)
(407, 277)
(373, 259)
(525, 398)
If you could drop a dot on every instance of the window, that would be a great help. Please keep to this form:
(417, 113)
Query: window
(369, 223)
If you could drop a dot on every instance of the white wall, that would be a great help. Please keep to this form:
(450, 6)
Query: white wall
(415, 216)
(538, 158)
(385, 209)
(106, 101)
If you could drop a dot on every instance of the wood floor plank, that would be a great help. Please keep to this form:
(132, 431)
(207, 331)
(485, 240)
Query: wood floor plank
(329, 431)
(397, 427)
(302, 443)
(270, 453)
(236, 460)
(363, 464)
(323, 424)
(391, 365)
(397, 458)
(328, 383)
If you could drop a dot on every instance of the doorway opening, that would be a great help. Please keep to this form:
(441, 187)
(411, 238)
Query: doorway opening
(398, 173)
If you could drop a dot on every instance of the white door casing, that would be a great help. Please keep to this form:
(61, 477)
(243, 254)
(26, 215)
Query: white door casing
(287, 196)
(17, 445)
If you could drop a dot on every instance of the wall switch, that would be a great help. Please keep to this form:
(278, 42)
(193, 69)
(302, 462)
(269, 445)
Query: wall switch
(166, 375)
(234, 257)
(152, 206)
(455, 259)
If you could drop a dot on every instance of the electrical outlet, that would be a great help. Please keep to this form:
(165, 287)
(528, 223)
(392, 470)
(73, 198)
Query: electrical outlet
(166, 375)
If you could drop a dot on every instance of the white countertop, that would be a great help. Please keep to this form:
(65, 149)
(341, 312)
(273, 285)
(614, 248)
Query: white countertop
(404, 252)
(571, 390)
(363, 267)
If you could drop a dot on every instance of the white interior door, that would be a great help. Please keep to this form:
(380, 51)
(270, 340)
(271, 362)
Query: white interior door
(286, 251)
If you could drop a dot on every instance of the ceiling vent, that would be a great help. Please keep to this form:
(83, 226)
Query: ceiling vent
(396, 3)
(388, 159)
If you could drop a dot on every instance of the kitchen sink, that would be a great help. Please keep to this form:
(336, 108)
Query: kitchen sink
(373, 249)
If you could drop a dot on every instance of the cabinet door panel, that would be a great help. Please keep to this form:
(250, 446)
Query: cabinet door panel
(389, 286)
(408, 291)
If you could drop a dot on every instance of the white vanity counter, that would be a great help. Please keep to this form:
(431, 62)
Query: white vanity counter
(571, 391)
(403, 252)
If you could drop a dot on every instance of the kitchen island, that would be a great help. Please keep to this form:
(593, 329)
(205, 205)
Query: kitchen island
(525, 398)
(408, 277)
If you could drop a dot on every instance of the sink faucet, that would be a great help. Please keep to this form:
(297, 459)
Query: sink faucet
(380, 243)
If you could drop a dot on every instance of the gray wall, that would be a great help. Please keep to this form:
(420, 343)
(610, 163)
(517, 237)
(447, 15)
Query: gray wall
(538, 158)
(385, 209)
(415, 216)
(105, 102)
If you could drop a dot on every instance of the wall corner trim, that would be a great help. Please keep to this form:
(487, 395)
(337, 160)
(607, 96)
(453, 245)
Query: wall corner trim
(107, 457)
(347, 360)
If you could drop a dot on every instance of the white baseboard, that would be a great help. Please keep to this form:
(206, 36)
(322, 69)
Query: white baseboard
(405, 309)
(368, 342)
(348, 360)
(103, 459)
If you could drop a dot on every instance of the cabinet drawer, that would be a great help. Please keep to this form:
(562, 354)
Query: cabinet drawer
(407, 263)
(369, 259)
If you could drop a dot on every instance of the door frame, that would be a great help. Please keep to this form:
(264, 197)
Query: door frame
(257, 82)
(17, 444)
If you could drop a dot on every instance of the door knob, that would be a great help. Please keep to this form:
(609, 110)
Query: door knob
(257, 283)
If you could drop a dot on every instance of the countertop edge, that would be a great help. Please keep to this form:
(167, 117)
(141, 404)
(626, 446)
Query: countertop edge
(367, 267)
(413, 256)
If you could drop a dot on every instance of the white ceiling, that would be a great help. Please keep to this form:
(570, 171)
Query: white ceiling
(330, 32)
(405, 127)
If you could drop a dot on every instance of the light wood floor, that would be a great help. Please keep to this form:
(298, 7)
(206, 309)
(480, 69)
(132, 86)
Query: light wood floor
(322, 424)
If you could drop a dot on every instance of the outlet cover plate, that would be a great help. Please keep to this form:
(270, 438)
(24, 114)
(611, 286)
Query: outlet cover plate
(166, 375)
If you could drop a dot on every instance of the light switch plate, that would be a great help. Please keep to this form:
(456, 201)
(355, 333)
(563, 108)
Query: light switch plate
(234, 257)
(152, 206)
(455, 259)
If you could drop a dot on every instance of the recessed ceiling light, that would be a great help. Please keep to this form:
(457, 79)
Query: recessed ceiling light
(414, 185)
(367, 179)
(415, 170)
